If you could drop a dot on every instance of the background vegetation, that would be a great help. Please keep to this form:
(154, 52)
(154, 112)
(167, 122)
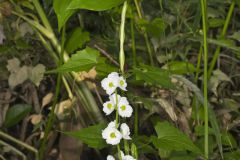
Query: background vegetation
(181, 63)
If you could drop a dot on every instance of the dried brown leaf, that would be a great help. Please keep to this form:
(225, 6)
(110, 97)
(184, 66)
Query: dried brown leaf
(36, 119)
(47, 99)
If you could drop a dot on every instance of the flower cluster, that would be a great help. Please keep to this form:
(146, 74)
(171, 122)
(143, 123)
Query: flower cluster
(124, 157)
(114, 132)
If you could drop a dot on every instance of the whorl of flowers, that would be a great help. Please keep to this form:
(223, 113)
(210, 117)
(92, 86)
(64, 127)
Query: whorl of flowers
(115, 132)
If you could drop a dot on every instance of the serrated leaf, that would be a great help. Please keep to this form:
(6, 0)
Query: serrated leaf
(77, 39)
(92, 136)
(83, 60)
(153, 76)
(170, 138)
(16, 113)
(63, 14)
(94, 5)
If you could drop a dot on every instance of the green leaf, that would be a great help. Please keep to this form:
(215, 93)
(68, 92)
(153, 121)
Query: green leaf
(92, 136)
(63, 14)
(16, 113)
(178, 67)
(228, 140)
(77, 39)
(234, 155)
(94, 5)
(153, 76)
(156, 27)
(170, 138)
(216, 22)
(83, 60)
(143, 144)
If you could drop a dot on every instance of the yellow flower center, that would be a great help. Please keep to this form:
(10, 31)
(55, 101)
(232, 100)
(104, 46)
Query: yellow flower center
(123, 107)
(121, 82)
(111, 85)
(113, 135)
(109, 106)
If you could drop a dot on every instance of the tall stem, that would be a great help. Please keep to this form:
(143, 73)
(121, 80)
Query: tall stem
(205, 83)
(52, 117)
(133, 39)
(149, 49)
(217, 51)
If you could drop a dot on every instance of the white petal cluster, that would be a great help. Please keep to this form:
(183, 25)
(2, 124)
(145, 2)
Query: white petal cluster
(124, 109)
(111, 134)
(109, 157)
(126, 157)
(113, 81)
(125, 131)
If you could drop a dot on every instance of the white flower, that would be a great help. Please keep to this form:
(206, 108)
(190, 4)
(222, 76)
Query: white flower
(108, 107)
(112, 124)
(125, 131)
(115, 98)
(122, 83)
(110, 83)
(126, 157)
(124, 109)
(109, 157)
(111, 134)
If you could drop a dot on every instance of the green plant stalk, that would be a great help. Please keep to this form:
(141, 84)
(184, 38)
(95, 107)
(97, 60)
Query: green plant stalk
(42, 15)
(134, 65)
(223, 33)
(119, 152)
(126, 146)
(136, 121)
(122, 37)
(133, 39)
(14, 149)
(52, 117)
(205, 82)
(198, 64)
(145, 35)
(20, 143)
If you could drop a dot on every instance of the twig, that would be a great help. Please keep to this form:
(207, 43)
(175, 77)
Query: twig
(14, 149)
(106, 54)
(10, 138)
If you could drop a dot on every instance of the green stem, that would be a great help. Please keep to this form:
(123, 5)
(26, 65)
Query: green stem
(136, 121)
(126, 146)
(52, 117)
(42, 15)
(149, 49)
(133, 39)
(198, 64)
(218, 49)
(205, 83)
(119, 152)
